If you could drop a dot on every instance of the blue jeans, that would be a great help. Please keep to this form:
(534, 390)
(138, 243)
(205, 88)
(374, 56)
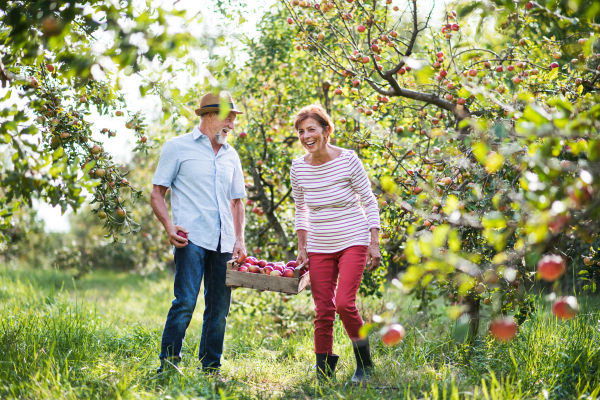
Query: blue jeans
(192, 262)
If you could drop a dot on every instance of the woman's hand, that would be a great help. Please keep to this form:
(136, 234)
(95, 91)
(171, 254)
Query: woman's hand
(302, 253)
(302, 257)
(373, 253)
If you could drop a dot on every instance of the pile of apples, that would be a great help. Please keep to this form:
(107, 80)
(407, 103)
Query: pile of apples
(279, 268)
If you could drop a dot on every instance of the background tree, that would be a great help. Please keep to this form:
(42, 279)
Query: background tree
(485, 139)
(58, 72)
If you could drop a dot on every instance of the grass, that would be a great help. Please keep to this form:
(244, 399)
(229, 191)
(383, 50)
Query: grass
(99, 338)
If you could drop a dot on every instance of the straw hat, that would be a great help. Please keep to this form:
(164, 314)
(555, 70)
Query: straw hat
(210, 103)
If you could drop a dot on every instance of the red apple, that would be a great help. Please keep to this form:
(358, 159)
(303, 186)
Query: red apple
(565, 307)
(361, 28)
(439, 54)
(291, 264)
(255, 269)
(252, 260)
(551, 267)
(278, 268)
(262, 263)
(402, 71)
(443, 73)
(275, 273)
(529, 5)
(243, 268)
(554, 65)
(504, 328)
(242, 135)
(182, 234)
(288, 273)
(393, 334)
(268, 269)
(472, 72)
(499, 68)
(290, 21)
(339, 91)
(356, 82)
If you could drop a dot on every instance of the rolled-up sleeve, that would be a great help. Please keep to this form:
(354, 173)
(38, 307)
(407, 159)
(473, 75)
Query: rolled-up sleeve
(301, 207)
(362, 187)
(238, 185)
(168, 165)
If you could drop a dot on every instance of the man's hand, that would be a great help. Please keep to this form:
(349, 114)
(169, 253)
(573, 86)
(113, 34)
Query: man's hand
(175, 239)
(239, 250)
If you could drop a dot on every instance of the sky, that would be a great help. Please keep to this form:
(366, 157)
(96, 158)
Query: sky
(121, 145)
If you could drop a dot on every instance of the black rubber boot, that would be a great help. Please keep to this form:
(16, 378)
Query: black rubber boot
(326, 365)
(364, 365)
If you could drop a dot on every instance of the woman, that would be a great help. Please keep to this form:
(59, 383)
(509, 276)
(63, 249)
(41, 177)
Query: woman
(337, 221)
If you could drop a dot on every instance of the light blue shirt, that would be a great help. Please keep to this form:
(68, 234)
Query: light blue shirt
(202, 187)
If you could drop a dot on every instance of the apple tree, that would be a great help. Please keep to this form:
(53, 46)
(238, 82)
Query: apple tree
(481, 131)
(60, 62)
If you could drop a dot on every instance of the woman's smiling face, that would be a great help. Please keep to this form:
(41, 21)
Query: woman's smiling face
(312, 135)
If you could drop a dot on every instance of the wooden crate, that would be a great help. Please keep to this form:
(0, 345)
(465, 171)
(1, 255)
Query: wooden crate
(267, 282)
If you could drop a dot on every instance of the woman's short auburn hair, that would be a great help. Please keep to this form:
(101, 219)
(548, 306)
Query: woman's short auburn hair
(317, 113)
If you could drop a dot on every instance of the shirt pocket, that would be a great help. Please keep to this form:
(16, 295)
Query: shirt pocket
(225, 178)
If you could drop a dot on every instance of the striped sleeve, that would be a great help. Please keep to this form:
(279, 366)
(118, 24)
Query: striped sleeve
(362, 187)
(301, 207)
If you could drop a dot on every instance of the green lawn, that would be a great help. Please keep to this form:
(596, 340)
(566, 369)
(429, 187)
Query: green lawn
(99, 337)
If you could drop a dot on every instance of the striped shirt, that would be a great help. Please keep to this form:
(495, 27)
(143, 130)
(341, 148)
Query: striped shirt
(328, 203)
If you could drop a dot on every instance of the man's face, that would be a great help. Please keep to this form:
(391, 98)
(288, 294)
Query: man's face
(221, 127)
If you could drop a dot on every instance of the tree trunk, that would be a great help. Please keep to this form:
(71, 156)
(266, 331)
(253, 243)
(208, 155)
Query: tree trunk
(268, 208)
(474, 318)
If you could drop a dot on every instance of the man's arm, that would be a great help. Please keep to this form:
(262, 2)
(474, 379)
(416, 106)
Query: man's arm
(239, 221)
(159, 205)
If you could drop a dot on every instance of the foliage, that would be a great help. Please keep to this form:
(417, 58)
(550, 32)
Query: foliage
(481, 133)
(62, 61)
(105, 343)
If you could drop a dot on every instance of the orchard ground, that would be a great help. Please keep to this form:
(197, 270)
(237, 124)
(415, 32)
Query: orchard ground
(98, 337)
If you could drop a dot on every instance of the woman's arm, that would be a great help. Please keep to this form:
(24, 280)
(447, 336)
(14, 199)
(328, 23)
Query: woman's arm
(362, 187)
(301, 217)
(373, 253)
(302, 252)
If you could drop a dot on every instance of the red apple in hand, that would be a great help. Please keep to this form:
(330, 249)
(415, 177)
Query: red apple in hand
(182, 234)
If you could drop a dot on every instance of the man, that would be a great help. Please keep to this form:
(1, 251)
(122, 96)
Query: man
(207, 185)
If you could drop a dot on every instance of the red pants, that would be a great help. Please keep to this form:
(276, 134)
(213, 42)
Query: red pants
(325, 269)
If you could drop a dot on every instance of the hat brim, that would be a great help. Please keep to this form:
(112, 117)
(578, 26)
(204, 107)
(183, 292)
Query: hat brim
(204, 110)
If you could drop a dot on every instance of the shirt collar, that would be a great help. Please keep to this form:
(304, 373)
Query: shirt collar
(196, 133)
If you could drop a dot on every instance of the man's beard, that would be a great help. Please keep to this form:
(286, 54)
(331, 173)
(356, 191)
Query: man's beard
(221, 137)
